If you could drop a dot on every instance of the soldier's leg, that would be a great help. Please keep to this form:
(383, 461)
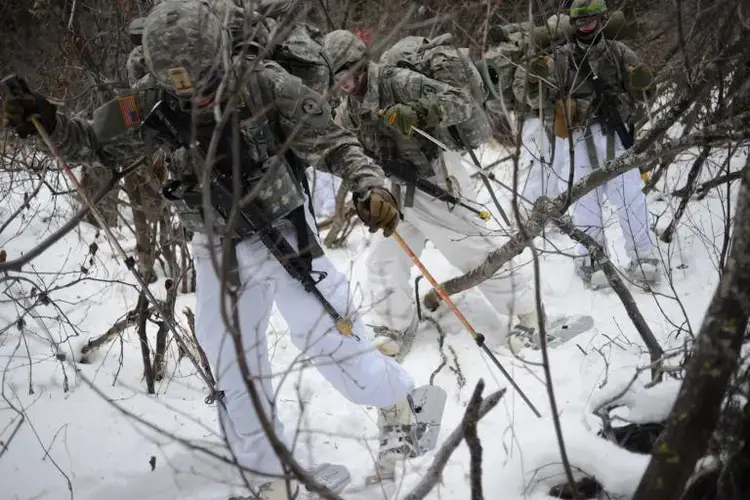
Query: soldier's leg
(389, 275)
(355, 368)
(463, 239)
(237, 414)
(587, 211)
(626, 195)
(533, 157)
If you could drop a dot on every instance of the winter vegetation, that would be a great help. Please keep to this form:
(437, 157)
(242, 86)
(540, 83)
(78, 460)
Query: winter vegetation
(105, 392)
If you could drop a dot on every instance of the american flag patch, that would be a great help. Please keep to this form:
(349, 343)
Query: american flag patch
(129, 111)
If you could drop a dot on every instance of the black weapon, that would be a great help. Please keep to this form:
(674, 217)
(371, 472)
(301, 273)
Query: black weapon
(408, 173)
(606, 107)
(170, 129)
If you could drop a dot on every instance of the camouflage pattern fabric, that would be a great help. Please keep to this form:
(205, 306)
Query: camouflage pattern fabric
(343, 49)
(387, 86)
(187, 35)
(610, 60)
(136, 65)
(439, 60)
(292, 109)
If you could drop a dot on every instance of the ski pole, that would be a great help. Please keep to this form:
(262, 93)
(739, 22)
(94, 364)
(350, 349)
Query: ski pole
(478, 337)
(128, 260)
(480, 170)
(460, 139)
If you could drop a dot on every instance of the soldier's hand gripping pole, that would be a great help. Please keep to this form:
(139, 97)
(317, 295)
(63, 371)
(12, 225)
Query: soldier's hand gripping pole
(128, 260)
(478, 337)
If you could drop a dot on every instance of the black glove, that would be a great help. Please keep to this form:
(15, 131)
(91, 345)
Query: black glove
(20, 104)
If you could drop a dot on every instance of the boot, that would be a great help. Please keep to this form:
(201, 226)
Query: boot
(644, 270)
(524, 333)
(590, 272)
(396, 440)
(409, 428)
(395, 343)
(274, 490)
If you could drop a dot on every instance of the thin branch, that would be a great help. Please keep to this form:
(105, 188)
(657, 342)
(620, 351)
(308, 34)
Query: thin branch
(433, 474)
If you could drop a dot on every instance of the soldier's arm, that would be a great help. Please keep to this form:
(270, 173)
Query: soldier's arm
(306, 119)
(342, 117)
(110, 138)
(526, 88)
(456, 105)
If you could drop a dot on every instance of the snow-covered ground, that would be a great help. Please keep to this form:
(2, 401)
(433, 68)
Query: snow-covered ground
(100, 443)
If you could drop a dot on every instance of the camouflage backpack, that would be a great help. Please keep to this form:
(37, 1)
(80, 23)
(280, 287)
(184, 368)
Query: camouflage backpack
(498, 66)
(438, 59)
(299, 51)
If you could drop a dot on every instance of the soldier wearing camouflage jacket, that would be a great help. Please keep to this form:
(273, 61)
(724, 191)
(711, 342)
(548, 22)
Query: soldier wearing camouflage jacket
(602, 85)
(182, 44)
(537, 139)
(406, 98)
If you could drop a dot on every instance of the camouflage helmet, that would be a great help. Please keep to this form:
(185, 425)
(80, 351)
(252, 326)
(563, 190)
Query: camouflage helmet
(343, 49)
(182, 45)
(587, 8)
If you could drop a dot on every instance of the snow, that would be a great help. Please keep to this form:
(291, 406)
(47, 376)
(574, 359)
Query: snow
(96, 439)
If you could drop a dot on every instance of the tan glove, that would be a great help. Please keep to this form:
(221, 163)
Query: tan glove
(379, 211)
(561, 125)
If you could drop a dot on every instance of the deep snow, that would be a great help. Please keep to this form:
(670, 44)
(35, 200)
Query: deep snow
(79, 444)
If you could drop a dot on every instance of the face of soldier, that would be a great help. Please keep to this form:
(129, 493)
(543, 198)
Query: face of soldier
(588, 24)
(347, 81)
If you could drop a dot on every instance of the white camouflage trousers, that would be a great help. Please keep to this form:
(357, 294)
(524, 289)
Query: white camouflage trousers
(543, 178)
(623, 192)
(460, 236)
(356, 369)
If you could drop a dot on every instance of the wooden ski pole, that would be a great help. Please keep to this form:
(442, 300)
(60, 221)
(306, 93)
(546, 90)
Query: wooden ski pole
(478, 337)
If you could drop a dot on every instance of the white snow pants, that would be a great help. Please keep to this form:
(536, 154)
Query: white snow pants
(536, 153)
(461, 237)
(324, 187)
(354, 368)
(623, 192)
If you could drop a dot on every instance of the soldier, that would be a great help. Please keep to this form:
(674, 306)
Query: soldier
(537, 138)
(408, 98)
(602, 85)
(183, 45)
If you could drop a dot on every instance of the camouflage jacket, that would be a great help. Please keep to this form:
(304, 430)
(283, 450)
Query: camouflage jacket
(387, 86)
(526, 95)
(297, 115)
(611, 62)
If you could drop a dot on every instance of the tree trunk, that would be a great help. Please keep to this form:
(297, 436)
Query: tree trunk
(714, 359)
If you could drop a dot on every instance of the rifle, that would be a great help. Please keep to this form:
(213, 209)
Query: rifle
(168, 128)
(408, 173)
(607, 108)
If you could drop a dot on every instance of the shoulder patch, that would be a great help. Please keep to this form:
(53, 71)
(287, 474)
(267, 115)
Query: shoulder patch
(311, 106)
(131, 115)
(117, 117)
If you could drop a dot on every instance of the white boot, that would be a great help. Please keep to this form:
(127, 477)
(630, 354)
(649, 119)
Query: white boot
(525, 332)
(396, 441)
(396, 343)
(644, 270)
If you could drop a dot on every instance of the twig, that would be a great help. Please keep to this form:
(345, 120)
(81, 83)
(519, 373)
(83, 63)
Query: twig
(433, 474)
(628, 302)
